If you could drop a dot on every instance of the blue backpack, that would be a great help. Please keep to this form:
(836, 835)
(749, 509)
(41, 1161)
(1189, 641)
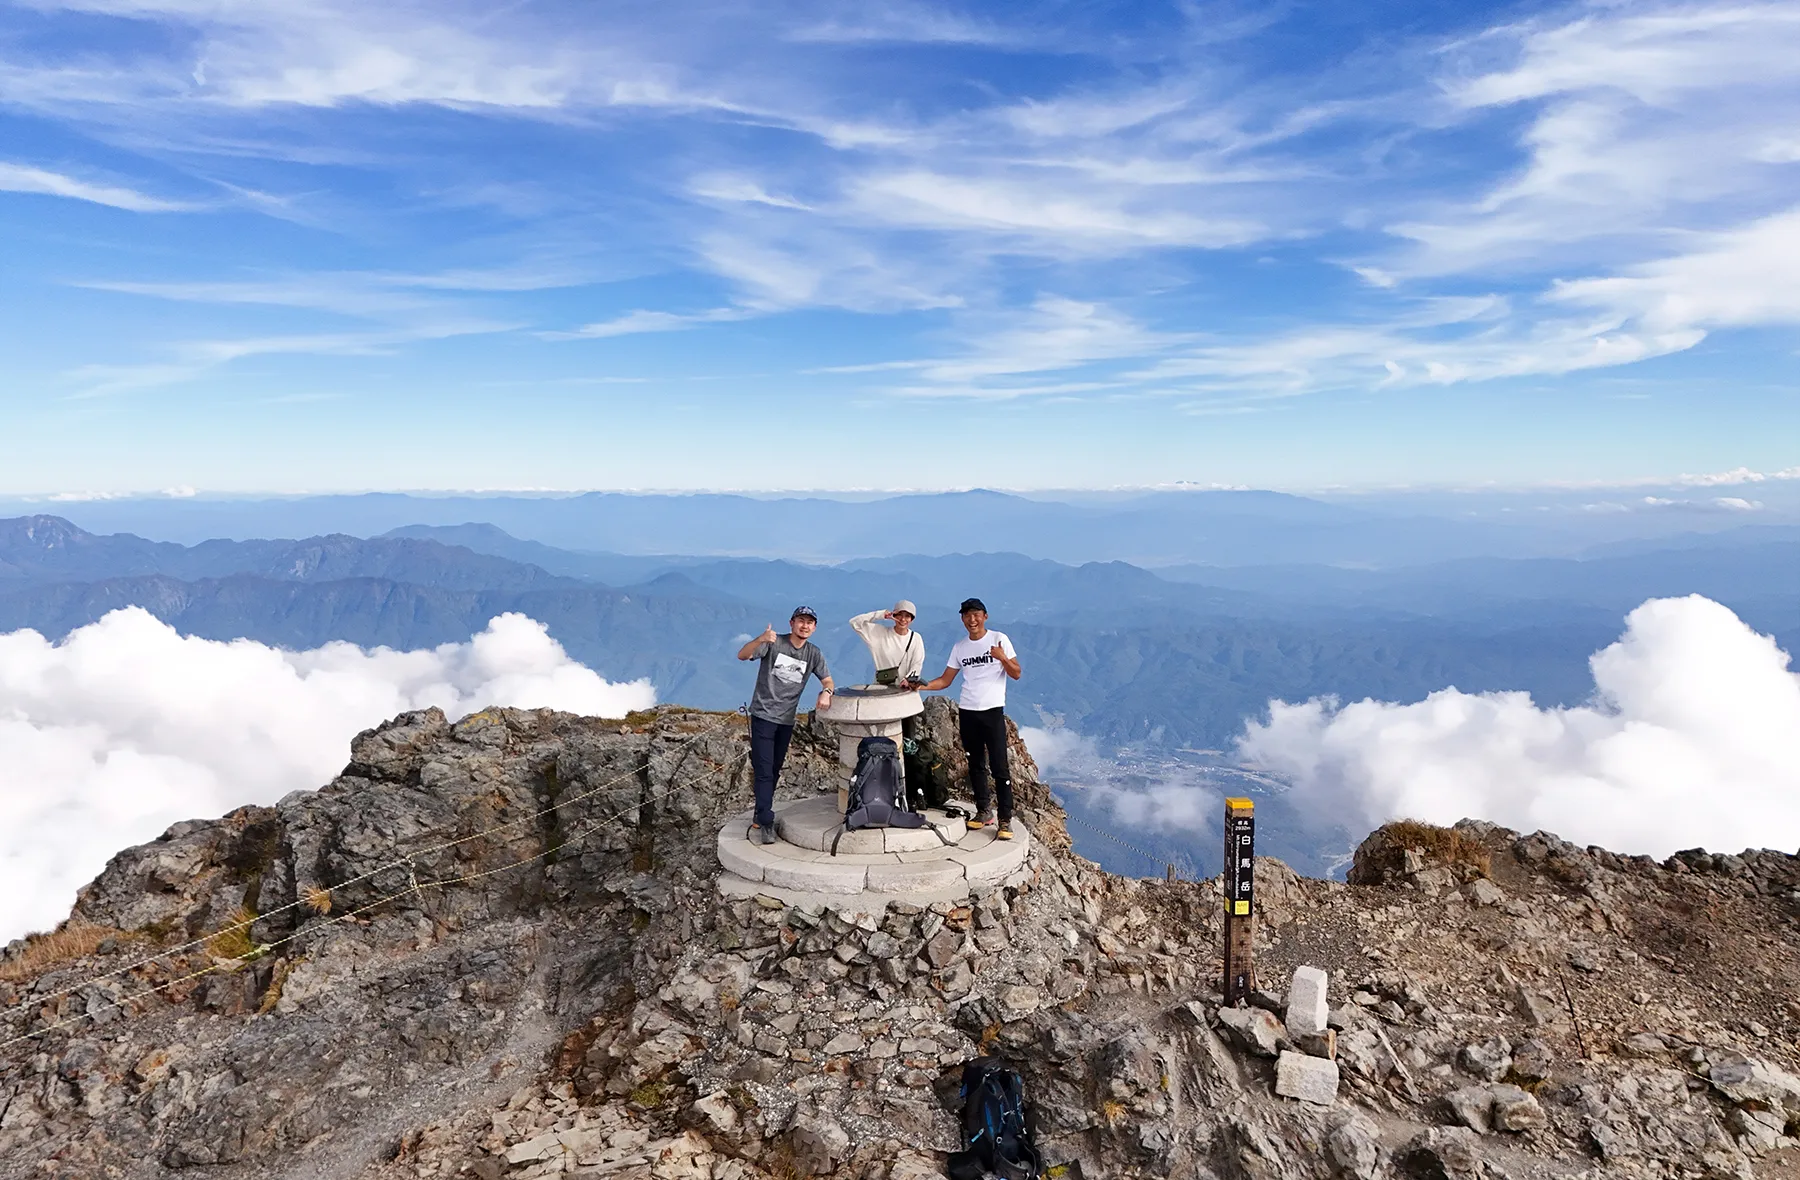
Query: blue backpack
(996, 1137)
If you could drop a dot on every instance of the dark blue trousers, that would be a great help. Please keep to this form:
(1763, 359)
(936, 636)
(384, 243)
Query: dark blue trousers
(768, 750)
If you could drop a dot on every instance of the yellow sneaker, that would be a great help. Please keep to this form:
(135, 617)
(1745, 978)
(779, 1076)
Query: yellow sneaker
(1004, 831)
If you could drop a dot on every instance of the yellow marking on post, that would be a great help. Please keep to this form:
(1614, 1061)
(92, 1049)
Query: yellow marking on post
(1241, 804)
(1240, 907)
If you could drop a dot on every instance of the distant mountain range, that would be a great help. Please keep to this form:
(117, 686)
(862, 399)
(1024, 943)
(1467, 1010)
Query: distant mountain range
(1180, 655)
(1150, 529)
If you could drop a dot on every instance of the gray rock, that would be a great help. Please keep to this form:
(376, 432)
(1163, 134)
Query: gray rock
(1645, 1046)
(1254, 1030)
(1532, 1061)
(943, 947)
(1442, 1153)
(1484, 892)
(1748, 1082)
(1471, 1107)
(1353, 1148)
(818, 1143)
(1489, 1060)
(1516, 1110)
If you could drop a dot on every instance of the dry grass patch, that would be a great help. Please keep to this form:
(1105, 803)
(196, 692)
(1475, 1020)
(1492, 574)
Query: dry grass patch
(1446, 846)
(233, 940)
(318, 900)
(1382, 858)
(72, 940)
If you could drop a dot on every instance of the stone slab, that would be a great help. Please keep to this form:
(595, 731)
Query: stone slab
(734, 857)
(732, 885)
(979, 838)
(995, 860)
(1310, 1079)
(816, 876)
(911, 839)
(810, 823)
(868, 703)
(1308, 1012)
(910, 878)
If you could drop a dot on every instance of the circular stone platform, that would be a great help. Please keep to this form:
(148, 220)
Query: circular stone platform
(873, 866)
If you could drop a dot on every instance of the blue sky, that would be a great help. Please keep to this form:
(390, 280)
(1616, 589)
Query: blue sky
(333, 245)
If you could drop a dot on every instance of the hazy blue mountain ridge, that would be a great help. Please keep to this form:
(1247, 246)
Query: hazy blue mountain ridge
(1110, 649)
(1219, 527)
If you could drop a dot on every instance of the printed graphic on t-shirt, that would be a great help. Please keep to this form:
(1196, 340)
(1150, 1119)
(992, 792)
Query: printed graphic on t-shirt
(787, 669)
(983, 676)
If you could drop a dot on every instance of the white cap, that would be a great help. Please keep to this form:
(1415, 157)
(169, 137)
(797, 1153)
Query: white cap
(907, 606)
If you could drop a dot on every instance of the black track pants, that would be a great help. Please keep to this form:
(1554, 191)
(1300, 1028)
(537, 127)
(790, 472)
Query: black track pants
(984, 737)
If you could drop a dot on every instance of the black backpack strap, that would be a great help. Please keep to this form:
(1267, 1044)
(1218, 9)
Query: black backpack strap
(842, 828)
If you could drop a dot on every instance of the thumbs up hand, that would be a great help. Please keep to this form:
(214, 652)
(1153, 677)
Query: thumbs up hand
(768, 635)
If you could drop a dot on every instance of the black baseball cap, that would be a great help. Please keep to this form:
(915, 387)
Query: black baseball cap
(970, 604)
(803, 612)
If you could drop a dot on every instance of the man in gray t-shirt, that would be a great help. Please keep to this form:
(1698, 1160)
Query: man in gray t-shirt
(785, 663)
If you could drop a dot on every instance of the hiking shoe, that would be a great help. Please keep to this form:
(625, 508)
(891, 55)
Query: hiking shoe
(768, 835)
(1004, 831)
(982, 820)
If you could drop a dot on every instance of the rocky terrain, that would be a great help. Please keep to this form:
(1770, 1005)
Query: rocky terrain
(493, 949)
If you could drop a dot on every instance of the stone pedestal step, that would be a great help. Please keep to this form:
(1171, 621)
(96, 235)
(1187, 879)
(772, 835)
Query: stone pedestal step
(943, 873)
(814, 823)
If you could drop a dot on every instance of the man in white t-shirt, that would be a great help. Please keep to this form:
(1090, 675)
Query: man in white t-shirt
(987, 661)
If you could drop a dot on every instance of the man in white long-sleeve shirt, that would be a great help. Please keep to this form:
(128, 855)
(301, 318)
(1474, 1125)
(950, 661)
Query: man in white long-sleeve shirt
(899, 651)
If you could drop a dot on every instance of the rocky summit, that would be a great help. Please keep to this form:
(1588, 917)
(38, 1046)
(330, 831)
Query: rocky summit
(496, 948)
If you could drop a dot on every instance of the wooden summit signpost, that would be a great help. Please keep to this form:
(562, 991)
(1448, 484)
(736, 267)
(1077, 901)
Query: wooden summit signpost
(1239, 883)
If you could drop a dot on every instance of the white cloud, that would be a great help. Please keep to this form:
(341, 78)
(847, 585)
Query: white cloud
(1061, 220)
(635, 322)
(1055, 748)
(1693, 740)
(1159, 800)
(126, 727)
(22, 178)
(1742, 277)
(1642, 119)
(196, 357)
(1056, 334)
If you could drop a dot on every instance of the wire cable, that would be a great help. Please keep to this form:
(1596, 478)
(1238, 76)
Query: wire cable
(406, 862)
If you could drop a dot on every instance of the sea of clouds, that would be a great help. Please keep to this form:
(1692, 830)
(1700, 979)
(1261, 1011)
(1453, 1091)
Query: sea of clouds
(1163, 796)
(126, 726)
(1691, 739)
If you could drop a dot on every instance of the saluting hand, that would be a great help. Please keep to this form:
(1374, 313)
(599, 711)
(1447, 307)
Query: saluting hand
(768, 635)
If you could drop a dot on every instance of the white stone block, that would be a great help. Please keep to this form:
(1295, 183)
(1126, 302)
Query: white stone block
(1310, 1079)
(1308, 1013)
